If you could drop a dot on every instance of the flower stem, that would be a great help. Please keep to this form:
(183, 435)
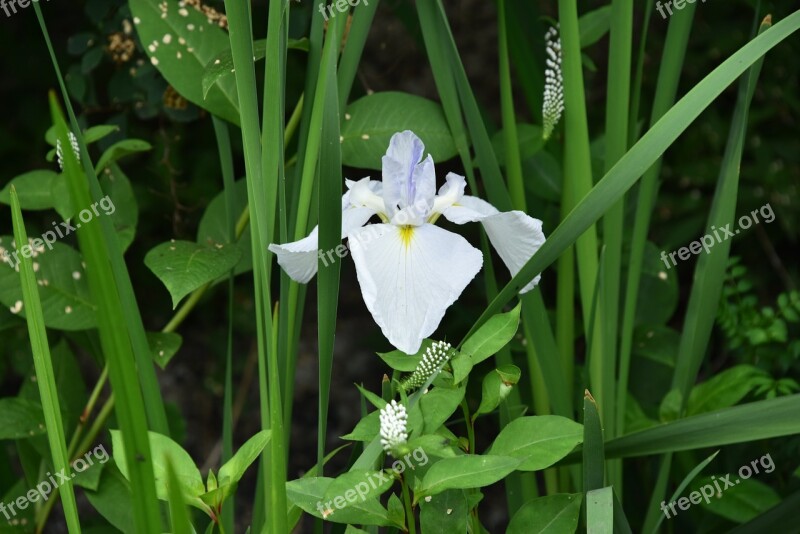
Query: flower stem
(410, 521)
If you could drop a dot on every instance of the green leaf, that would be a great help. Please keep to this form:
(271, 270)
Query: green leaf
(20, 419)
(92, 135)
(358, 486)
(492, 336)
(163, 345)
(462, 365)
(119, 150)
(463, 472)
(33, 189)
(554, 514)
(437, 405)
(182, 57)
(444, 513)
(213, 228)
(407, 363)
(66, 302)
(724, 389)
(372, 120)
(234, 469)
(112, 500)
(164, 448)
(222, 64)
(743, 502)
(308, 494)
(89, 478)
(496, 386)
(434, 445)
(539, 441)
(594, 25)
(184, 266)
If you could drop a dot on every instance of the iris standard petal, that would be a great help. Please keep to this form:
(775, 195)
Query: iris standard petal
(450, 193)
(407, 179)
(409, 276)
(515, 235)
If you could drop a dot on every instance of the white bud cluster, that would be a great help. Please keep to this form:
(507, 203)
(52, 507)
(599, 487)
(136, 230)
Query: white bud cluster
(432, 361)
(553, 104)
(75, 148)
(394, 420)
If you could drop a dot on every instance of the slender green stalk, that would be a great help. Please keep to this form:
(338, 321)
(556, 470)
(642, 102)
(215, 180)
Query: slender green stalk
(240, 28)
(617, 106)
(516, 186)
(43, 365)
(226, 165)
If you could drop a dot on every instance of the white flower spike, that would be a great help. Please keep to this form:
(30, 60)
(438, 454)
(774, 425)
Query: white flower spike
(410, 271)
(394, 421)
(75, 148)
(432, 361)
(553, 105)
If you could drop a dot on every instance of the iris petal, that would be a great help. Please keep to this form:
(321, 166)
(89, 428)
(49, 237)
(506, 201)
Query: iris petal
(409, 276)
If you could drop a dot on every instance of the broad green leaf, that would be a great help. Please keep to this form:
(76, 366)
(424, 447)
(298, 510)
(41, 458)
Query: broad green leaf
(309, 495)
(184, 266)
(89, 478)
(66, 302)
(222, 64)
(437, 405)
(33, 189)
(594, 25)
(112, 499)
(435, 445)
(366, 429)
(213, 228)
(358, 486)
(234, 469)
(444, 513)
(497, 384)
(553, 514)
(20, 419)
(372, 120)
(463, 472)
(743, 502)
(658, 295)
(492, 336)
(407, 363)
(539, 441)
(164, 345)
(724, 389)
(180, 46)
(162, 448)
(119, 150)
(462, 365)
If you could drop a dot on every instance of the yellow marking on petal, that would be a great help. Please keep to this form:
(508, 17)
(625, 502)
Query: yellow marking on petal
(406, 233)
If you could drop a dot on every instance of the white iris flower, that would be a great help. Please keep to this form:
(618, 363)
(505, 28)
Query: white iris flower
(410, 271)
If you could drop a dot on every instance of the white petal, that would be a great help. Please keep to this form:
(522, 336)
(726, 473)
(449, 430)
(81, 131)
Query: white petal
(298, 259)
(515, 235)
(406, 181)
(364, 193)
(409, 276)
(450, 193)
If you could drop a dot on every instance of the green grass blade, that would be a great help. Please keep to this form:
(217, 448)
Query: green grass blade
(739, 424)
(226, 163)
(178, 514)
(780, 518)
(593, 453)
(43, 365)
(115, 343)
(710, 270)
(351, 55)
(683, 485)
(330, 228)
